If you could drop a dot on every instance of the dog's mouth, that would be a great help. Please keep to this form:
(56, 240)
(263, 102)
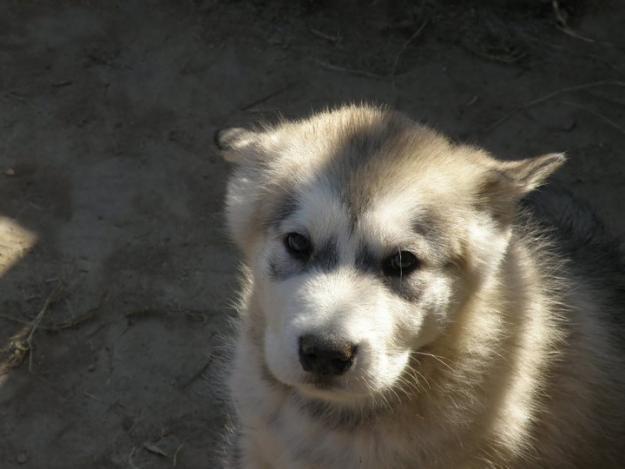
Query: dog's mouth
(326, 390)
(310, 383)
(322, 382)
(321, 387)
(332, 389)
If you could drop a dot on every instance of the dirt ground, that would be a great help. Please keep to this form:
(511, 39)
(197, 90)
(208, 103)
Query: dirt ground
(115, 272)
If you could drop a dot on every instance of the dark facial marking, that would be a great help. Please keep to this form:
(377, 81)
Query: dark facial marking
(283, 269)
(287, 205)
(424, 225)
(359, 144)
(326, 257)
(275, 273)
(366, 261)
(406, 286)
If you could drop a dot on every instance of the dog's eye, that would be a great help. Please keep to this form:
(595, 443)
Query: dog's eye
(298, 245)
(402, 263)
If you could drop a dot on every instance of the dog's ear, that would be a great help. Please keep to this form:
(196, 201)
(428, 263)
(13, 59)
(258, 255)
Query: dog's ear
(236, 143)
(507, 182)
(531, 173)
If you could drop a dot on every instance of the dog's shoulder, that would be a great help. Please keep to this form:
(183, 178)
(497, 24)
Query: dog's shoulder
(577, 233)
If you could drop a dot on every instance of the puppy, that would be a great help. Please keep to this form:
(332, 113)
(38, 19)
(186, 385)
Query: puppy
(403, 307)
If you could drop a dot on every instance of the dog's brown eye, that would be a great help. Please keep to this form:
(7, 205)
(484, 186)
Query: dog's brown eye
(402, 263)
(298, 245)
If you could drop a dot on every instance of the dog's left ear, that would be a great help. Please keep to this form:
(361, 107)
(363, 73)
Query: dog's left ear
(235, 143)
(507, 182)
(529, 174)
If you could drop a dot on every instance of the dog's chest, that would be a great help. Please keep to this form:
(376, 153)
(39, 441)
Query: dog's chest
(299, 441)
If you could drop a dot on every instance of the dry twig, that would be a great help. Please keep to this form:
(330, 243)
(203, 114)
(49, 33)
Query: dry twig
(35, 325)
(351, 71)
(597, 114)
(198, 373)
(553, 94)
(21, 343)
(131, 463)
(563, 24)
(326, 36)
(175, 458)
(267, 97)
(414, 35)
(61, 325)
(153, 448)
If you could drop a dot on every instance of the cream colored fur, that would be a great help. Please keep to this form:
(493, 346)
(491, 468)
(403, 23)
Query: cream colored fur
(498, 355)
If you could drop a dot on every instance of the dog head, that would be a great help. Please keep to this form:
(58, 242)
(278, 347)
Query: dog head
(365, 233)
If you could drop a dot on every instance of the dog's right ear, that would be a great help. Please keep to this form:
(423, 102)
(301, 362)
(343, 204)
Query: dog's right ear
(235, 143)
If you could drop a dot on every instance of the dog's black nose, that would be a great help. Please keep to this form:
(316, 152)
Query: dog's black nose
(325, 356)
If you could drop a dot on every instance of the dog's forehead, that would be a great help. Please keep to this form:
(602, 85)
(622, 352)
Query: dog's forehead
(323, 211)
(327, 211)
(379, 173)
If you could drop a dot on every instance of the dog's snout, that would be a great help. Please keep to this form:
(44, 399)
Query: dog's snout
(325, 356)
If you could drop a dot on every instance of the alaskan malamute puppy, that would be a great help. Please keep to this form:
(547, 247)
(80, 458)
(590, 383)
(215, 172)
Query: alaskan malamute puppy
(403, 308)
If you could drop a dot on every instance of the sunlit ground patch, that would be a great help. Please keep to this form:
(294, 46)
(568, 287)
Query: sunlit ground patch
(15, 242)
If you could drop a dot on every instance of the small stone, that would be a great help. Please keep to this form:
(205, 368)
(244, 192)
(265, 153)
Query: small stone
(91, 367)
(128, 423)
(22, 457)
(9, 172)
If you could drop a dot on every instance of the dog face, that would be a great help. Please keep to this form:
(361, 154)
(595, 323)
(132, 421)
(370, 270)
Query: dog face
(365, 234)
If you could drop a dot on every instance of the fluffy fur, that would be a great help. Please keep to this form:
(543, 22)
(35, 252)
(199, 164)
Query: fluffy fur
(499, 350)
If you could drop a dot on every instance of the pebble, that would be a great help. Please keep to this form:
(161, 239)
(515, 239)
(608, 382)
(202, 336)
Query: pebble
(22, 457)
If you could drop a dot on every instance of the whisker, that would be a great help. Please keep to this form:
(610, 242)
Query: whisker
(438, 358)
